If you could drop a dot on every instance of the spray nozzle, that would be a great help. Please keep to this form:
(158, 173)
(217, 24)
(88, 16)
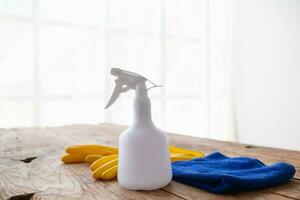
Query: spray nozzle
(127, 80)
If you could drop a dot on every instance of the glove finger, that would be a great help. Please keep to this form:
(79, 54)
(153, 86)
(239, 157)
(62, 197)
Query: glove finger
(192, 153)
(98, 163)
(110, 173)
(92, 158)
(72, 158)
(92, 150)
(179, 154)
(106, 147)
(98, 172)
(180, 158)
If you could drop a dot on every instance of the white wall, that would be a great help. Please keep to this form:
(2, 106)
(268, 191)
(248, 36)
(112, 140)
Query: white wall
(268, 73)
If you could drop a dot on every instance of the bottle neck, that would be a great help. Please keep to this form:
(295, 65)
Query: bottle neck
(142, 112)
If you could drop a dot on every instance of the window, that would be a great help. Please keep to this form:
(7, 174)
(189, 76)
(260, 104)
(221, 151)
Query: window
(56, 56)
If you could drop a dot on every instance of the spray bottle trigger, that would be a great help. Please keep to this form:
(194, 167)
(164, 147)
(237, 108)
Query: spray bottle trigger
(125, 88)
(127, 80)
(118, 89)
(154, 86)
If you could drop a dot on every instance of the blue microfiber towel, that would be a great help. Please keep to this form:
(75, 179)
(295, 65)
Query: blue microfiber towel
(220, 174)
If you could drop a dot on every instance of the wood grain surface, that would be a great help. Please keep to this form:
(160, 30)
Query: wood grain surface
(30, 166)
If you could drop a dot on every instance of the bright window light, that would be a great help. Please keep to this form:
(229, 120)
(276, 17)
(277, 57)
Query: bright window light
(56, 56)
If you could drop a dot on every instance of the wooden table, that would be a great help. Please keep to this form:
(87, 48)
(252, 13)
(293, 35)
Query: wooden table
(30, 166)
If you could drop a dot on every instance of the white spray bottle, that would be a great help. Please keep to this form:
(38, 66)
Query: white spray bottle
(144, 162)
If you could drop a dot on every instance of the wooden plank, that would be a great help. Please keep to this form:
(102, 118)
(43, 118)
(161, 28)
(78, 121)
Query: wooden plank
(234, 149)
(265, 154)
(291, 189)
(209, 144)
(65, 182)
(191, 193)
(46, 178)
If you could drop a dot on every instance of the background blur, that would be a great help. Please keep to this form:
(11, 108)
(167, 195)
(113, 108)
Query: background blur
(229, 68)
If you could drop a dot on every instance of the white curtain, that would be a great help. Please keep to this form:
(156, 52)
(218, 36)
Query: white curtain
(55, 58)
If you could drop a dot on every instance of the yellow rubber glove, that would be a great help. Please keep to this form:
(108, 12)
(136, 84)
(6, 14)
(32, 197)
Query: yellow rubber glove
(73, 158)
(92, 149)
(91, 153)
(104, 159)
(79, 153)
(92, 158)
(106, 168)
(192, 153)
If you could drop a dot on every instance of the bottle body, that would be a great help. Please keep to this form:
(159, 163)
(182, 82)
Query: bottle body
(144, 162)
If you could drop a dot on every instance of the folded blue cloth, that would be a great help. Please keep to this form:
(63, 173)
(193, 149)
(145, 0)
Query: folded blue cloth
(219, 174)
